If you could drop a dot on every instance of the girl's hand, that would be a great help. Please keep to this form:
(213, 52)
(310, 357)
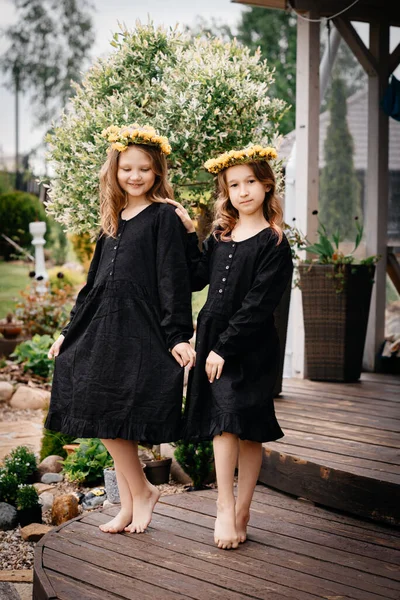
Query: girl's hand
(214, 365)
(55, 349)
(184, 355)
(183, 215)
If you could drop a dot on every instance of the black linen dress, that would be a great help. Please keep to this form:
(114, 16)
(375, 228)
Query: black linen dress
(247, 280)
(115, 376)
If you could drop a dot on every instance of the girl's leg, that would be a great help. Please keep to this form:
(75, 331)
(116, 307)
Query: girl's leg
(226, 449)
(250, 457)
(143, 495)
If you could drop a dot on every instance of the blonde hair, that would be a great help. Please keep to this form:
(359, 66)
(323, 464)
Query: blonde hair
(112, 196)
(226, 215)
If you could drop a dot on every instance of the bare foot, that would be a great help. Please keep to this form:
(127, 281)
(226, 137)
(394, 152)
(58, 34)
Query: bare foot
(118, 523)
(225, 534)
(242, 519)
(143, 506)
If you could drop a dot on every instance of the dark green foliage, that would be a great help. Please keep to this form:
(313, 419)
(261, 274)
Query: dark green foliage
(20, 462)
(58, 243)
(27, 497)
(8, 487)
(53, 442)
(33, 355)
(274, 31)
(339, 187)
(17, 210)
(196, 459)
(87, 463)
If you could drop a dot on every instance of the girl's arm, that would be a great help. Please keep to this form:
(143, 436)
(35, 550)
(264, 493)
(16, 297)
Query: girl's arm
(173, 278)
(198, 261)
(273, 273)
(89, 283)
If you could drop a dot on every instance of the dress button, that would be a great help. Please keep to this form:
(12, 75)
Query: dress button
(233, 245)
(110, 273)
(224, 279)
(230, 256)
(112, 260)
(115, 247)
(220, 291)
(227, 267)
(119, 235)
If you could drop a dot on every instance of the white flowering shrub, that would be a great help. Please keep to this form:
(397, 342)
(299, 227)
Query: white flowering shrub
(205, 95)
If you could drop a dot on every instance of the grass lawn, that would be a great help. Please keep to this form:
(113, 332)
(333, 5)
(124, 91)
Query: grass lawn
(198, 301)
(13, 278)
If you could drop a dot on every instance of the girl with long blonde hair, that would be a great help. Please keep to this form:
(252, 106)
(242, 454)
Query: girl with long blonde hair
(119, 362)
(247, 263)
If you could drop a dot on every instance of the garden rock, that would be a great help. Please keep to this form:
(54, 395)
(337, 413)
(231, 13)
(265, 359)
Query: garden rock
(50, 464)
(46, 500)
(27, 397)
(52, 478)
(94, 498)
(34, 532)
(65, 507)
(8, 516)
(42, 487)
(6, 391)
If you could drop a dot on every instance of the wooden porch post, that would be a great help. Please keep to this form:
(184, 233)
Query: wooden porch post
(307, 158)
(376, 213)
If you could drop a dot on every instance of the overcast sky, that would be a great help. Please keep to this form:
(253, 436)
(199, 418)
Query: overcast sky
(106, 17)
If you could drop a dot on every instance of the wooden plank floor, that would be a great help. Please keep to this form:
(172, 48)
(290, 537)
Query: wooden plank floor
(341, 446)
(295, 551)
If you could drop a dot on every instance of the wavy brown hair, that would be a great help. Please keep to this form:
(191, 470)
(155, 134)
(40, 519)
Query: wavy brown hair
(113, 198)
(226, 215)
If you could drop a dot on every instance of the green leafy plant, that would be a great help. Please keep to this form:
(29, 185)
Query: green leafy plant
(87, 463)
(27, 497)
(196, 459)
(33, 355)
(53, 442)
(20, 462)
(8, 487)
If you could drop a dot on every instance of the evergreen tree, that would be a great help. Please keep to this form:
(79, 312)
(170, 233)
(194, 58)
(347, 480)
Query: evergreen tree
(339, 187)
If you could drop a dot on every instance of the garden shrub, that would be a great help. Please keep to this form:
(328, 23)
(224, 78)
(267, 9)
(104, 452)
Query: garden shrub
(17, 210)
(53, 442)
(33, 355)
(8, 487)
(61, 278)
(44, 313)
(196, 459)
(83, 246)
(21, 462)
(27, 497)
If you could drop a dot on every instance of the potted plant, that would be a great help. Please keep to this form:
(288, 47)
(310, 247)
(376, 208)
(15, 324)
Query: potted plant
(157, 468)
(28, 508)
(87, 463)
(336, 292)
(10, 327)
(197, 460)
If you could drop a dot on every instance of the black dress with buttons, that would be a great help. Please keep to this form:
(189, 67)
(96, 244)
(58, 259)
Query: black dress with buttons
(115, 376)
(246, 282)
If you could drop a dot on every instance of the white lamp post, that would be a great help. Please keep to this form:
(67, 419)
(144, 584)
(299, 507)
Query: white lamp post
(37, 230)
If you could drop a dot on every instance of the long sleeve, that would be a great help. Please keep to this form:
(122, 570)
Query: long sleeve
(199, 261)
(273, 273)
(89, 283)
(173, 279)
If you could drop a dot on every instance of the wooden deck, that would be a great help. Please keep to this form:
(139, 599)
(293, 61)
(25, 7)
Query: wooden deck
(295, 551)
(341, 446)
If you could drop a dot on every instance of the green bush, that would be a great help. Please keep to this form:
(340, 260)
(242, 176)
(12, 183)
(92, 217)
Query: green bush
(61, 278)
(33, 355)
(58, 243)
(21, 463)
(17, 210)
(87, 463)
(53, 442)
(27, 497)
(196, 459)
(8, 487)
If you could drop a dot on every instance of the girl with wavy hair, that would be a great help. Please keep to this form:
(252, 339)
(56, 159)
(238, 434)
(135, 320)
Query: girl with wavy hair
(247, 264)
(119, 362)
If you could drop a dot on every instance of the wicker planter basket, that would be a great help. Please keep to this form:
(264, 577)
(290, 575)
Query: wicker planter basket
(336, 303)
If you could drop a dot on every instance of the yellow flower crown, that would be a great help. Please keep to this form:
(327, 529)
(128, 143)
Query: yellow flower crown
(239, 157)
(122, 137)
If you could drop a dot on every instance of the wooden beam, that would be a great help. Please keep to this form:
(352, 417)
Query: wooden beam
(377, 189)
(394, 59)
(356, 45)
